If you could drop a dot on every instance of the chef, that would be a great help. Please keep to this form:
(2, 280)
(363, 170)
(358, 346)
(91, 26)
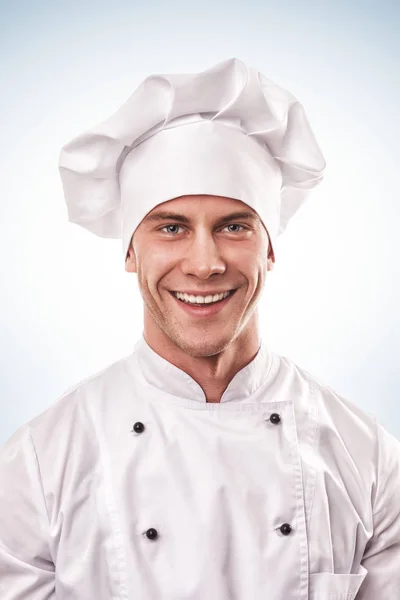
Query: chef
(202, 466)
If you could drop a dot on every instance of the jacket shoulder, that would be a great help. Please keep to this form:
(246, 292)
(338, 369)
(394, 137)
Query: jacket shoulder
(71, 412)
(330, 404)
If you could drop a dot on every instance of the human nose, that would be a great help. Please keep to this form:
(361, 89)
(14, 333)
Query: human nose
(203, 257)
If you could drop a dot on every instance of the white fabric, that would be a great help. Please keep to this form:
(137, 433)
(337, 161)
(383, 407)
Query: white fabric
(78, 488)
(226, 131)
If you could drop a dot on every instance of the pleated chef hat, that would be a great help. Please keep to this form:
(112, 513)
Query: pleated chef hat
(226, 131)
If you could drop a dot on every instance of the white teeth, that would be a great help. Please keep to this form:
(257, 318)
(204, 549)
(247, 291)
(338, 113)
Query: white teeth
(201, 299)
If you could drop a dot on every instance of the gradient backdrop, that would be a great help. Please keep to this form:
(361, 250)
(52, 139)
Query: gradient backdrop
(68, 309)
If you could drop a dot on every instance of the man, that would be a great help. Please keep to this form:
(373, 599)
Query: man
(202, 466)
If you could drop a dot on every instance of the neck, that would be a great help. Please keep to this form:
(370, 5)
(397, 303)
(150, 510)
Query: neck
(212, 363)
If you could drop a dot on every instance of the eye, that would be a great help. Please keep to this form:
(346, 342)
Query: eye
(236, 225)
(165, 227)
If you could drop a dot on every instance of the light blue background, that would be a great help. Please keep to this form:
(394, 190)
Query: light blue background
(68, 308)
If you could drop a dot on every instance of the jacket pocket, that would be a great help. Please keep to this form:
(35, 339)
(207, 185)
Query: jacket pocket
(335, 586)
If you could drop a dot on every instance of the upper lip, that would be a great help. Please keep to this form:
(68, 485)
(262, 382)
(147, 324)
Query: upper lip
(202, 293)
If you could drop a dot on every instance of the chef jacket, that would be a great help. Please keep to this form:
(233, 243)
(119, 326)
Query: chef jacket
(132, 486)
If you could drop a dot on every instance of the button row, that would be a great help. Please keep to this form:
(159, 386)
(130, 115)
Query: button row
(138, 427)
(152, 533)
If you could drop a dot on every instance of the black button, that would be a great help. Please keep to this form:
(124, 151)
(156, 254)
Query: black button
(285, 529)
(152, 533)
(275, 418)
(138, 427)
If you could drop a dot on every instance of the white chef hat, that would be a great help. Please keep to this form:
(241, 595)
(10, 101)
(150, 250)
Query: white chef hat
(226, 131)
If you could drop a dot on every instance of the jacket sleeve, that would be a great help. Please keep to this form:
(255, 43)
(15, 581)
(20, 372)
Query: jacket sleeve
(382, 555)
(26, 567)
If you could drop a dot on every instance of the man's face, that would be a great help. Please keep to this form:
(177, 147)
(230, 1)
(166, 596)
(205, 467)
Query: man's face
(203, 251)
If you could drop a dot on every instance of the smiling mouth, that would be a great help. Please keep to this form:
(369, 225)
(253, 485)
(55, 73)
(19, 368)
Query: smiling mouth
(203, 304)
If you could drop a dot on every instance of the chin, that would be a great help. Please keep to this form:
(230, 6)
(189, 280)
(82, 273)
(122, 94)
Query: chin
(199, 345)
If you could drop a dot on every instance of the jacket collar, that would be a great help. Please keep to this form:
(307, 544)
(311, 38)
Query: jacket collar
(167, 378)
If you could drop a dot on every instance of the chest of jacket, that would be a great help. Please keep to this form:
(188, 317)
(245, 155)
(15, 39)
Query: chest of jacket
(261, 501)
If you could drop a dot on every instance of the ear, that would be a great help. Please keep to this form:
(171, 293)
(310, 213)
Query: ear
(271, 259)
(271, 254)
(130, 260)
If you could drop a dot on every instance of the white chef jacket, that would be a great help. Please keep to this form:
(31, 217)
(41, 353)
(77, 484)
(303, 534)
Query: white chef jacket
(132, 486)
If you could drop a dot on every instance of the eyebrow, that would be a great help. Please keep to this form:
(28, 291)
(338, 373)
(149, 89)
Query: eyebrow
(170, 216)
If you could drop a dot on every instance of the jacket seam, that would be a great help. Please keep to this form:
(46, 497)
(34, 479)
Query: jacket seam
(314, 442)
(377, 463)
(37, 464)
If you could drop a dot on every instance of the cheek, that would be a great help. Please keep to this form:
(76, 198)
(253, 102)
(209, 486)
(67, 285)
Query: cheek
(152, 269)
(258, 274)
(250, 263)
